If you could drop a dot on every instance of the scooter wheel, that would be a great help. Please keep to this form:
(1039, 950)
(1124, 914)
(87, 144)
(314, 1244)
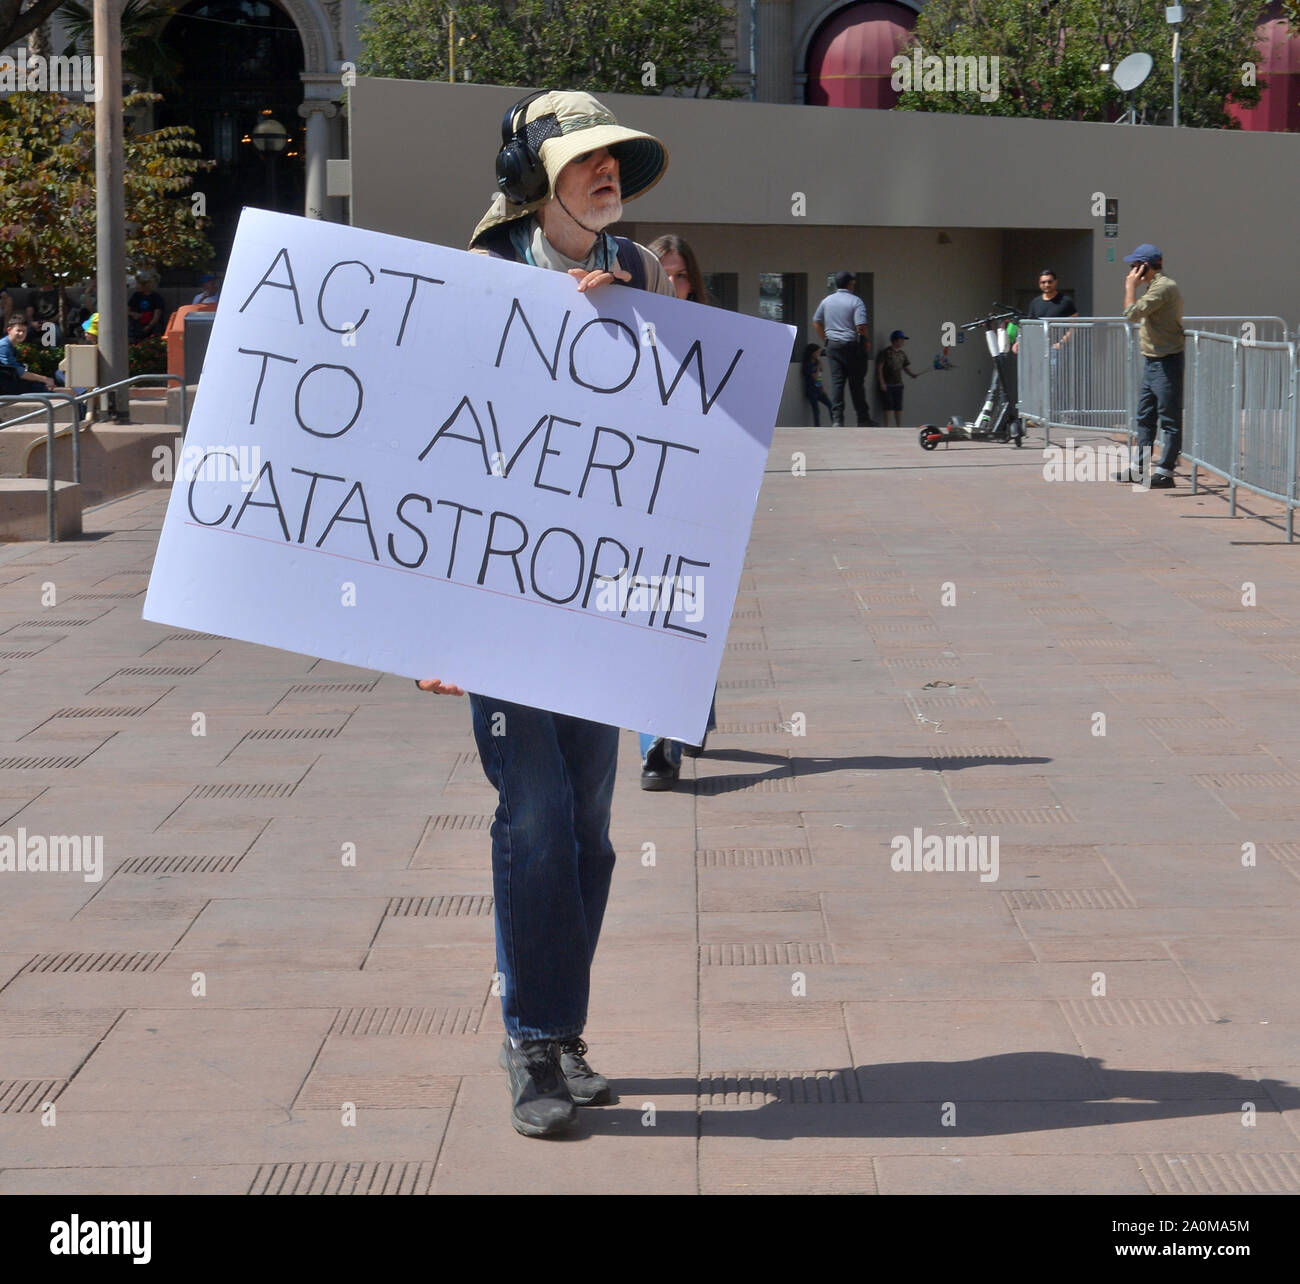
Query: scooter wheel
(929, 438)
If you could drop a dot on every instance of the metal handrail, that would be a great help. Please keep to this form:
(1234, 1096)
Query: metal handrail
(134, 379)
(47, 408)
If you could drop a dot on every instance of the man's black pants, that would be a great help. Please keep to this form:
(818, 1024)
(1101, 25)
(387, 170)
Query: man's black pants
(848, 365)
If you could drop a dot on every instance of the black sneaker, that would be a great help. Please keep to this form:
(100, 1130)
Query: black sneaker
(586, 1087)
(657, 773)
(1130, 478)
(542, 1104)
(1162, 481)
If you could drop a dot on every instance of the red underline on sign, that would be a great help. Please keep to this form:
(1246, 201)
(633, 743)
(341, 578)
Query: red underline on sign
(475, 588)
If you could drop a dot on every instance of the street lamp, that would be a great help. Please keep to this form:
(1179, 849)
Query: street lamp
(1174, 17)
(110, 203)
(270, 138)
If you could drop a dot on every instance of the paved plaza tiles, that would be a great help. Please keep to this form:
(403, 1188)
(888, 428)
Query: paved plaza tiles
(782, 1009)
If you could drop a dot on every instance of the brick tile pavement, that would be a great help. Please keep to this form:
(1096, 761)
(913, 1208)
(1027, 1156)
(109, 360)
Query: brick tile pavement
(781, 1009)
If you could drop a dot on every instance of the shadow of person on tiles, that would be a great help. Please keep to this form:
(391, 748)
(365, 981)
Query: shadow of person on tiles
(1010, 1094)
(789, 767)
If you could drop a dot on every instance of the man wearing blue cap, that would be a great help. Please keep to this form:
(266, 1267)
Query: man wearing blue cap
(1159, 313)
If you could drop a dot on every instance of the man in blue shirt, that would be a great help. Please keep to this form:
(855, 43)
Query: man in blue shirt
(841, 321)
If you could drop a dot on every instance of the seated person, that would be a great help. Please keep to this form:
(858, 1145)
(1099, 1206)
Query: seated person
(15, 378)
(146, 309)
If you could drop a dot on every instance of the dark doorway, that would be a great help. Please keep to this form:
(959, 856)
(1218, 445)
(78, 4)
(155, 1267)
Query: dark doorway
(239, 64)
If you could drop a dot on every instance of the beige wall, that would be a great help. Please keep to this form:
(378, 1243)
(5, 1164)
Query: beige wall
(877, 189)
(918, 284)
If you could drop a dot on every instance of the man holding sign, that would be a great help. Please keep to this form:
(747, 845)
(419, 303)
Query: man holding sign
(565, 168)
(416, 460)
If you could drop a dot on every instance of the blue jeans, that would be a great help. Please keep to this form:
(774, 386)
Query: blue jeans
(552, 860)
(673, 748)
(816, 399)
(1160, 404)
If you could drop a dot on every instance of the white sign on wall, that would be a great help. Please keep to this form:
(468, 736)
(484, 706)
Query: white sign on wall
(440, 465)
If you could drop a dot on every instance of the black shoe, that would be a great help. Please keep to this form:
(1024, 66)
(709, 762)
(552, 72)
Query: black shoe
(586, 1087)
(542, 1105)
(1162, 481)
(1130, 478)
(694, 751)
(657, 773)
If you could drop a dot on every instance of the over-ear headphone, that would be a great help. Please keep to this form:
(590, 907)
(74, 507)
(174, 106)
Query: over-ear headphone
(520, 172)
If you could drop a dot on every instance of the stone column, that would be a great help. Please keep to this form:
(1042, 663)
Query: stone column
(317, 115)
(775, 51)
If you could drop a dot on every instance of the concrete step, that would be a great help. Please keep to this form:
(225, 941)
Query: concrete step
(147, 406)
(116, 459)
(24, 509)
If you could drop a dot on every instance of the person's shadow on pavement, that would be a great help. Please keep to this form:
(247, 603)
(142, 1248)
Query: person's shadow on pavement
(1008, 1094)
(783, 766)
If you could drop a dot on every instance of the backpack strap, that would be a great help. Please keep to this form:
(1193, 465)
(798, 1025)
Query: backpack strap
(498, 245)
(630, 260)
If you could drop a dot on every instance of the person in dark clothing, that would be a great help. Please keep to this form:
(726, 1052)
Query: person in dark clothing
(1050, 305)
(814, 393)
(146, 310)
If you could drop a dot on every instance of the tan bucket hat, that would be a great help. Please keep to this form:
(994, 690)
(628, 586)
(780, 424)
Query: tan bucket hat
(561, 125)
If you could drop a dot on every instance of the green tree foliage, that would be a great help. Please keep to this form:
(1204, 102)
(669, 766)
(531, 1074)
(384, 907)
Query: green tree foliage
(1050, 54)
(146, 56)
(633, 47)
(47, 178)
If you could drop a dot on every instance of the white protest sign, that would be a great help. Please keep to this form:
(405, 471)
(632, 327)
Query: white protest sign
(440, 465)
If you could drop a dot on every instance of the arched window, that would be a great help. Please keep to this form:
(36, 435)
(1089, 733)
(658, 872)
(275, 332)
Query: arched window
(848, 61)
(1278, 108)
(239, 65)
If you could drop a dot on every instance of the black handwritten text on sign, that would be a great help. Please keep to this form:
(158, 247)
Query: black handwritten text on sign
(503, 469)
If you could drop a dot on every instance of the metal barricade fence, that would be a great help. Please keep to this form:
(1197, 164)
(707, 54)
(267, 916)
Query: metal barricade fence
(1210, 395)
(1032, 372)
(1081, 374)
(1249, 329)
(1241, 394)
(1243, 417)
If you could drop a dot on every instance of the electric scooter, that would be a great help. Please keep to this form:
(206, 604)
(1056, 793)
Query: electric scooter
(998, 419)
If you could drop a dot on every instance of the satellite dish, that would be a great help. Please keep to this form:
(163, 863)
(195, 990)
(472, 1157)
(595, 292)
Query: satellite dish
(1132, 72)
